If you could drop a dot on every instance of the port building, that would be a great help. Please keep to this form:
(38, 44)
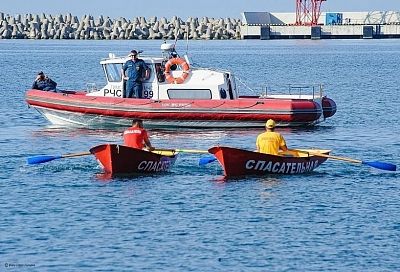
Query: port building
(331, 25)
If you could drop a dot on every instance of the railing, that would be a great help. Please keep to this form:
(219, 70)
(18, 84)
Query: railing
(313, 90)
(305, 91)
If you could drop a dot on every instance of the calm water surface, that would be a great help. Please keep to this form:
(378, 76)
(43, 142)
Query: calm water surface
(65, 215)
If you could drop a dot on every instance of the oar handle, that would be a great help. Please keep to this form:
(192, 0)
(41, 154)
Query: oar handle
(76, 155)
(327, 156)
(197, 151)
(192, 151)
(338, 158)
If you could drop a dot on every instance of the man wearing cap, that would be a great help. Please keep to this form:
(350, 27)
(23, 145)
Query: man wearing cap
(133, 72)
(270, 141)
(44, 83)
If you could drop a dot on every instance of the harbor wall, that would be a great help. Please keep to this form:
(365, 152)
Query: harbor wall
(44, 26)
(252, 25)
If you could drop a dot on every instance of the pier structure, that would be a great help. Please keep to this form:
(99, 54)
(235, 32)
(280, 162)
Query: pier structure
(331, 25)
(31, 26)
(252, 25)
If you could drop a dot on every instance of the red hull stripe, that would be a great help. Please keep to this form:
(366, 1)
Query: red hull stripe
(243, 110)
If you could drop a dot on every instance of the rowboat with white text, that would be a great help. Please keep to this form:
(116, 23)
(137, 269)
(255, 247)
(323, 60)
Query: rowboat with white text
(120, 159)
(239, 162)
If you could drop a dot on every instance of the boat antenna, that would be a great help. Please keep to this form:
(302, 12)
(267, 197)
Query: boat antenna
(187, 40)
(176, 39)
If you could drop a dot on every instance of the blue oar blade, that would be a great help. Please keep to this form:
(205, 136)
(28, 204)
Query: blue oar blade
(42, 158)
(381, 165)
(206, 160)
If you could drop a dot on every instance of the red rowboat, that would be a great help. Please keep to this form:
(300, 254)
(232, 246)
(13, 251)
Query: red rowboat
(120, 159)
(238, 162)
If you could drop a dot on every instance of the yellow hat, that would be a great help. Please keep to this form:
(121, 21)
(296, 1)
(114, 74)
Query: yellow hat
(270, 123)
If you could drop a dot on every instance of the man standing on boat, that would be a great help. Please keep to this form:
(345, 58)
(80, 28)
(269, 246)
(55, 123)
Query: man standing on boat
(134, 71)
(270, 141)
(137, 137)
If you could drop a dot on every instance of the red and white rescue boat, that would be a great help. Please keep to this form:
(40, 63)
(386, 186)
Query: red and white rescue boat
(120, 159)
(239, 162)
(184, 97)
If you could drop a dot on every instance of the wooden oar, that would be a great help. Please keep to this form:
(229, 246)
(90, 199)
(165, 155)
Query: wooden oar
(196, 151)
(376, 164)
(203, 161)
(47, 158)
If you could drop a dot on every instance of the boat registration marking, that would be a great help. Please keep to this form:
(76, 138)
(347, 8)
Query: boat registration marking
(176, 105)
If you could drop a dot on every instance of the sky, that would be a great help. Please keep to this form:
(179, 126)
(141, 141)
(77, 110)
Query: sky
(183, 9)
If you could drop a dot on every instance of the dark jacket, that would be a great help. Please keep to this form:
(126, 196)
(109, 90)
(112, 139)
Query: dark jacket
(45, 84)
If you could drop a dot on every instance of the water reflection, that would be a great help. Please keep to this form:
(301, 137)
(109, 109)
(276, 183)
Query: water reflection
(55, 130)
(75, 137)
(267, 180)
(105, 178)
(268, 183)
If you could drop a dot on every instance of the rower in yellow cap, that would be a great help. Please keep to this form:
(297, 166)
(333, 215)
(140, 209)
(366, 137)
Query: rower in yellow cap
(269, 142)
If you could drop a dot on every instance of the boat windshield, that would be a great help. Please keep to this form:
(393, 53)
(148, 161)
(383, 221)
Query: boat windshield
(113, 72)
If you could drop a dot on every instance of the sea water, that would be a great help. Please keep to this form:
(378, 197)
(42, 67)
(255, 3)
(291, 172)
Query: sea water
(65, 215)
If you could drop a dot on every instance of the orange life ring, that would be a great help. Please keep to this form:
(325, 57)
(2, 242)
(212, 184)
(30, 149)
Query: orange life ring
(185, 70)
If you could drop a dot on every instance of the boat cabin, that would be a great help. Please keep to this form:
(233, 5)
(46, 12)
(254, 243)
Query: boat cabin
(177, 81)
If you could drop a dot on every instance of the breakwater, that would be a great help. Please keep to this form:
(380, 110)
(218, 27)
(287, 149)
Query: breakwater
(67, 26)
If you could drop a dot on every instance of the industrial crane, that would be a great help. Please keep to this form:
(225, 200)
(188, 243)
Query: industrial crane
(308, 12)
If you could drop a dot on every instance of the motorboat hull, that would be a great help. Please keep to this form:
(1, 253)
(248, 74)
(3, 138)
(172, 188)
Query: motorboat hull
(75, 108)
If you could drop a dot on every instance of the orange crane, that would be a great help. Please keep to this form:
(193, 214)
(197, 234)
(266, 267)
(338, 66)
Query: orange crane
(308, 12)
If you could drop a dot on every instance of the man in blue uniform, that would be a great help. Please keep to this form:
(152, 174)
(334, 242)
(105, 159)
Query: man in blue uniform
(134, 71)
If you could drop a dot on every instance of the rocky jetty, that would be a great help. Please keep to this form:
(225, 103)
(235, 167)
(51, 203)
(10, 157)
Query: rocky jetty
(44, 26)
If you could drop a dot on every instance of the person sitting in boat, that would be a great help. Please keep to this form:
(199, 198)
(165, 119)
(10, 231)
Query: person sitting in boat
(44, 83)
(134, 71)
(269, 142)
(137, 137)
